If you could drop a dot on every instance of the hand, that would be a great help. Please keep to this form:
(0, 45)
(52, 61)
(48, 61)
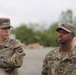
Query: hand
(14, 55)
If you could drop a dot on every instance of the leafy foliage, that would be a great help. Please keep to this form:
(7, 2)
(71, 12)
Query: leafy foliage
(46, 37)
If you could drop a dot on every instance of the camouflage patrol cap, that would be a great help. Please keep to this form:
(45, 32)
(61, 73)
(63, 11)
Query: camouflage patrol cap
(67, 27)
(5, 22)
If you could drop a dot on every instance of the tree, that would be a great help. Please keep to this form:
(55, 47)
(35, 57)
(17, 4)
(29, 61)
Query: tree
(66, 17)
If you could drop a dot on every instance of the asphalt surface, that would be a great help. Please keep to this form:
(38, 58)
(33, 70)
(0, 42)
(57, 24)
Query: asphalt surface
(33, 61)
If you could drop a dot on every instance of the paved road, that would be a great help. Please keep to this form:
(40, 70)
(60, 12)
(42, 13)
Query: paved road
(33, 61)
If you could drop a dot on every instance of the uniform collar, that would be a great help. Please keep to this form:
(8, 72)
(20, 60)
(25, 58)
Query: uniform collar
(59, 55)
(7, 43)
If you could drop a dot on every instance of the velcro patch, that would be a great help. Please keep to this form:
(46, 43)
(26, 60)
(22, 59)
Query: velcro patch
(20, 50)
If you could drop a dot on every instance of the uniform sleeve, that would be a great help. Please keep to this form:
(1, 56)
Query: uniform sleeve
(44, 67)
(16, 60)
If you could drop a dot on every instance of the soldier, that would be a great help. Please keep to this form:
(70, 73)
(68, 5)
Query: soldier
(62, 60)
(11, 50)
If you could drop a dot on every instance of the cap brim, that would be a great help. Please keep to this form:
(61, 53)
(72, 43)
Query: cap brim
(59, 28)
(6, 26)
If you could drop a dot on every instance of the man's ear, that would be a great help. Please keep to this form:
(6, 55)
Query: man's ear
(74, 42)
(72, 36)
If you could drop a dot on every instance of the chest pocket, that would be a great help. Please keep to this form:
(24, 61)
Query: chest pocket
(66, 67)
(53, 63)
(7, 51)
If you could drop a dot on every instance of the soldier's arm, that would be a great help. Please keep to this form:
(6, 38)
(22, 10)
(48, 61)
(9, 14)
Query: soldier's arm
(44, 67)
(17, 58)
(15, 61)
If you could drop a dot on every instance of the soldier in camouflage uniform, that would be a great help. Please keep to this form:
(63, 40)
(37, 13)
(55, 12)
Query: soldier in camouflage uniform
(62, 60)
(11, 50)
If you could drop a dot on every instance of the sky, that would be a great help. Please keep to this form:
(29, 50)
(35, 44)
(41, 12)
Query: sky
(35, 11)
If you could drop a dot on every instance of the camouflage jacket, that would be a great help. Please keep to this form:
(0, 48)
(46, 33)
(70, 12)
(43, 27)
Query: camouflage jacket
(11, 57)
(57, 63)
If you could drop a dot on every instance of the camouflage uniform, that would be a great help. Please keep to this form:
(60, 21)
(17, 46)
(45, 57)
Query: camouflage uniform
(8, 63)
(58, 62)
(11, 54)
